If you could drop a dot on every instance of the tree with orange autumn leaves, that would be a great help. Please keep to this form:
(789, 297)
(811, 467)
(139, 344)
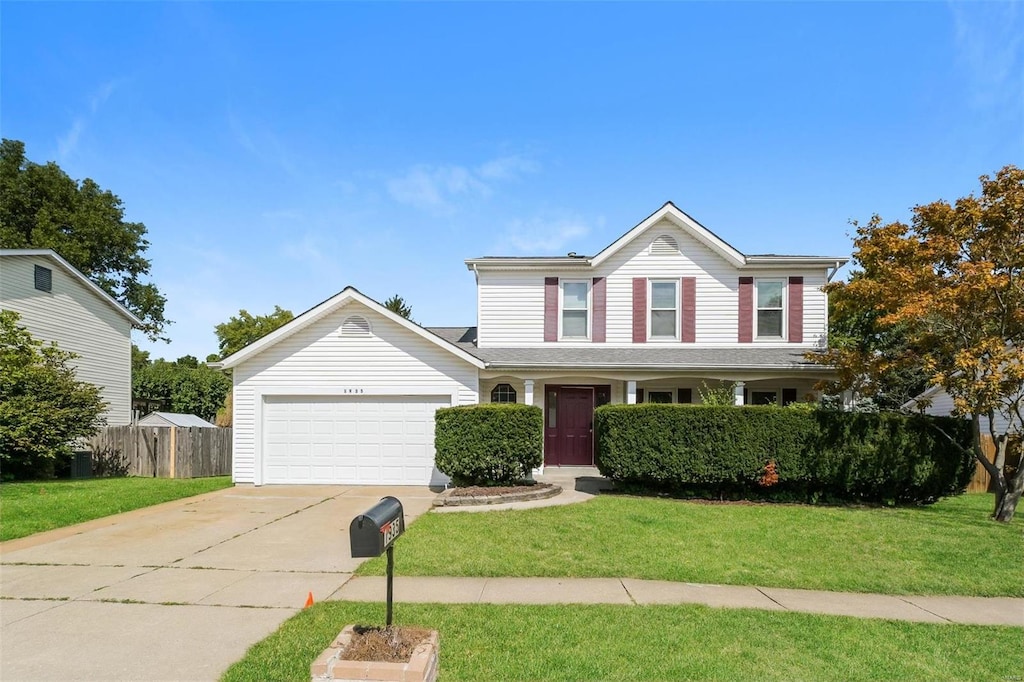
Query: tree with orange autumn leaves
(951, 286)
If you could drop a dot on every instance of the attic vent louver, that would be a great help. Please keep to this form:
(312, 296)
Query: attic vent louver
(664, 245)
(356, 325)
(43, 278)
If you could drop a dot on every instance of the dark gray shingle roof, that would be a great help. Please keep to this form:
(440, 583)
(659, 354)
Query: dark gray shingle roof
(680, 357)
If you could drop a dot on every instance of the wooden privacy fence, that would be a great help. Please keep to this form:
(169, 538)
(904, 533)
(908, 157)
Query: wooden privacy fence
(981, 481)
(168, 452)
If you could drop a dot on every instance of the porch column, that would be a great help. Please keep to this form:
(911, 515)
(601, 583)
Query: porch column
(528, 391)
(631, 393)
(737, 392)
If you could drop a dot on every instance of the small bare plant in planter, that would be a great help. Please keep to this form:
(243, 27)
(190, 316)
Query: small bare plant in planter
(373, 653)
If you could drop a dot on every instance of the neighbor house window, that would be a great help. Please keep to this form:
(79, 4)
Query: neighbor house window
(503, 393)
(763, 398)
(575, 309)
(770, 294)
(664, 309)
(663, 397)
(43, 278)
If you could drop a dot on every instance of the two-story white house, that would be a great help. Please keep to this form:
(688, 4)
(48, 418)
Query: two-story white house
(346, 392)
(58, 304)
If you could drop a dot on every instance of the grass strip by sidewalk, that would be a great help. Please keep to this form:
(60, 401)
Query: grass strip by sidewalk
(491, 642)
(27, 508)
(949, 548)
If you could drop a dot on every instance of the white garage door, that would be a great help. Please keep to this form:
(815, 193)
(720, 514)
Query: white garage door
(350, 439)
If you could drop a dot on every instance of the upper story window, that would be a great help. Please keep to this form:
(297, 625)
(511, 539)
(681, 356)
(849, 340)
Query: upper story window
(503, 393)
(770, 299)
(664, 309)
(43, 278)
(575, 309)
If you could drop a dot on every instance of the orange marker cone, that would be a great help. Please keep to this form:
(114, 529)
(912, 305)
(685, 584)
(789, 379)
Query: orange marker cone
(309, 601)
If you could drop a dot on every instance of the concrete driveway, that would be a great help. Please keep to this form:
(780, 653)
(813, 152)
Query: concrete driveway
(178, 591)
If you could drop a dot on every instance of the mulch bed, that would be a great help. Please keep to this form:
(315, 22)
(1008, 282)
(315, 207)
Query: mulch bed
(484, 495)
(392, 645)
(485, 491)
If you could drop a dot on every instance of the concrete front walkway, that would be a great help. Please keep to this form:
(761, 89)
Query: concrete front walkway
(178, 591)
(627, 591)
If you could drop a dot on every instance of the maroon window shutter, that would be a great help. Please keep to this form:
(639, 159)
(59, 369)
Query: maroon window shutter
(688, 325)
(640, 310)
(746, 320)
(796, 309)
(639, 395)
(551, 309)
(599, 299)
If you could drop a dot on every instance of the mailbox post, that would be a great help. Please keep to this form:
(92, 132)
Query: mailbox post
(374, 532)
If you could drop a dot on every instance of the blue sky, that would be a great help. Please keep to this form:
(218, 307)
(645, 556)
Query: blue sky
(279, 152)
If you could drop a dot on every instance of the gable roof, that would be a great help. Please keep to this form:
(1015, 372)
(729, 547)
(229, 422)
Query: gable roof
(673, 214)
(175, 419)
(320, 310)
(71, 270)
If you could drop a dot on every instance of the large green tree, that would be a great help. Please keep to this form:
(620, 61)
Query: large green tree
(43, 407)
(951, 283)
(185, 385)
(41, 207)
(244, 328)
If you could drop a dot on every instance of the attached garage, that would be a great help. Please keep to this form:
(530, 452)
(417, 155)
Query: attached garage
(345, 394)
(386, 440)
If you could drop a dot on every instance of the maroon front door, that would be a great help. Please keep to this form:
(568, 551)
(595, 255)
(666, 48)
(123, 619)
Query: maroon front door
(569, 424)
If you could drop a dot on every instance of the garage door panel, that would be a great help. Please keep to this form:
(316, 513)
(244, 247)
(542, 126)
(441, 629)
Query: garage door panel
(350, 439)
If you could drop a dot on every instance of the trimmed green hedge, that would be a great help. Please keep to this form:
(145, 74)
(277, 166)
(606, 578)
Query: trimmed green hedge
(783, 453)
(490, 444)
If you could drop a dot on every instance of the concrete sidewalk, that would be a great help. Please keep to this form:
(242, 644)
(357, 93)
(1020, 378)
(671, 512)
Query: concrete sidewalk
(626, 591)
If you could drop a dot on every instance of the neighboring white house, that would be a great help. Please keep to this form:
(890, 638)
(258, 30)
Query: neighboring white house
(57, 303)
(346, 392)
(169, 419)
(940, 404)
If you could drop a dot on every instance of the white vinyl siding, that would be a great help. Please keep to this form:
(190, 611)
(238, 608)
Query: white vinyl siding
(511, 304)
(319, 361)
(77, 320)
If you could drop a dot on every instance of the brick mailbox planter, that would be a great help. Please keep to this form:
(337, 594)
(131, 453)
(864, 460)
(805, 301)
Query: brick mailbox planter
(421, 667)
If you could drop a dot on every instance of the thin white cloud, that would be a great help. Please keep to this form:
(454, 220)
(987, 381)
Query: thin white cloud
(543, 236)
(437, 188)
(507, 167)
(263, 144)
(67, 144)
(989, 38)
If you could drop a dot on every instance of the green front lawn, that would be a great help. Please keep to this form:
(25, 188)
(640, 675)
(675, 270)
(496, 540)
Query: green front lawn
(947, 548)
(27, 508)
(489, 642)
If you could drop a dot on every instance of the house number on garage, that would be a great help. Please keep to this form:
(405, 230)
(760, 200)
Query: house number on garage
(352, 390)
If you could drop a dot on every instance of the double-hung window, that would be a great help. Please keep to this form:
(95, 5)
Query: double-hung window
(770, 299)
(664, 309)
(575, 309)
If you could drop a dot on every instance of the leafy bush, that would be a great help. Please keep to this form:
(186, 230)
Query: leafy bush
(109, 463)
(491, 444)
(43, 407)
(782, 453)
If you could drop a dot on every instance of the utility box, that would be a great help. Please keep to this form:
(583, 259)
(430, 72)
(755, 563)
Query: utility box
(374, 531)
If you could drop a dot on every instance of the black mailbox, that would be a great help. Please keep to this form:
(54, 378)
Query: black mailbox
(375, 531)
